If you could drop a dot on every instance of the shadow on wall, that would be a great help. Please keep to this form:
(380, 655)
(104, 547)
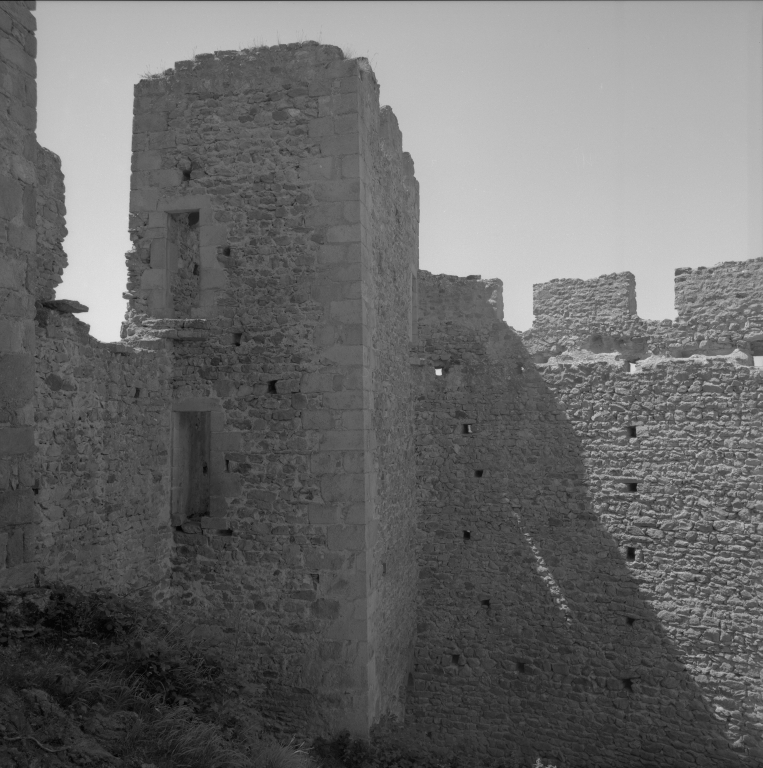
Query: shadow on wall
(535, 635)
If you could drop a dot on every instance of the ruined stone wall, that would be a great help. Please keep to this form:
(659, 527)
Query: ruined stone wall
(269, 154)
(102, 480)
(50, 258)
(673, 463)
(722, 303)
(539, 635)
(18, 204)
(606, 300)
(389, 217)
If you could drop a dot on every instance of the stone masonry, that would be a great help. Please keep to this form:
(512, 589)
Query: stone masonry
(349, 475)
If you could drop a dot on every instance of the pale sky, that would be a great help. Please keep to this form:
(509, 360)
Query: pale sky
(550, 140)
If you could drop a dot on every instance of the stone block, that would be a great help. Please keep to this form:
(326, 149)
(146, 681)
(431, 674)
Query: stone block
(338, 104)
(13, 336)
(11, 195)
(17, 508)
(341, 354)
(226, 441)
(346, 144)
(16, 440)
(158, 255)
(153, 279)
(358, 419)
(169, 177)
(342, 440)
(321, 126)
(12, 274)
(147, 161)
(213, 279)
(346, 537)
(23, 238)
(343, 487)
(316, 168)
(143, 200)
(184, 203)
(341, 189)
(214, 523)
(213, 235)
(322, 514)
(346, 311)
(13, 53)
(17, 372)
(149, 122)
(317, 420)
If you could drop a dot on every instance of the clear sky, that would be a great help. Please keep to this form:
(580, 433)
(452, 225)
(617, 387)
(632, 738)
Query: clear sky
(550, 139)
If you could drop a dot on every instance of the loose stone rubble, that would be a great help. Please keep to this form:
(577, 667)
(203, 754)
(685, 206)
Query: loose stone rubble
(349, 475)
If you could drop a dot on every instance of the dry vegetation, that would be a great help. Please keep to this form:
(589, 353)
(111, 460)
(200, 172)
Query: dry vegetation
(99, 680)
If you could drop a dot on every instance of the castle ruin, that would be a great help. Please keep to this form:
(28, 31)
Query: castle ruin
(349, 475)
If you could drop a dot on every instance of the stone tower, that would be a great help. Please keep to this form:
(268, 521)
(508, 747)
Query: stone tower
(275, 222)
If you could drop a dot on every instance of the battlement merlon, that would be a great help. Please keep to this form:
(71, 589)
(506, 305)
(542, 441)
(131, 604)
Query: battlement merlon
(724, 297)
(468, 300)
(606, 301)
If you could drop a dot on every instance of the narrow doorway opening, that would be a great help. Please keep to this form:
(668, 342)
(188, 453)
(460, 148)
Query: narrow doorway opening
(190, 466)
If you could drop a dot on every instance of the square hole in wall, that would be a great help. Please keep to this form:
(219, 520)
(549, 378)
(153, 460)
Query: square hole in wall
(193, 218)
(630, 431)
(455, 658)
(479, 472)
(466, 429)
(520, 666)
(630, 553)
(631, 487)
(384, 569)
(136, 394)
(520, 368)
(485, 603)
(438, 371)
(187, 175)
(630, 621)
(628, 683)
(272, 387)
(467, 535)
(237, 339)
(226, 251)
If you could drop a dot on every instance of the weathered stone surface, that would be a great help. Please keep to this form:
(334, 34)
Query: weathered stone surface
(66, 305)
(538, 546)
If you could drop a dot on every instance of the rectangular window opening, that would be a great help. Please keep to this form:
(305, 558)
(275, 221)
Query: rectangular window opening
(136, 394)
(272, 387)
(184, 262)
(227, 465)
(630, 553)
(631, 487)
(467, 535)
(438, 371)
(631, 431)
(757, 361)
(467, 429)
(520, 368)
(520, 666)
(237, 339)
(485, 603)
(628, 683)
(479, 472)
(630, 621)
(455, 658)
